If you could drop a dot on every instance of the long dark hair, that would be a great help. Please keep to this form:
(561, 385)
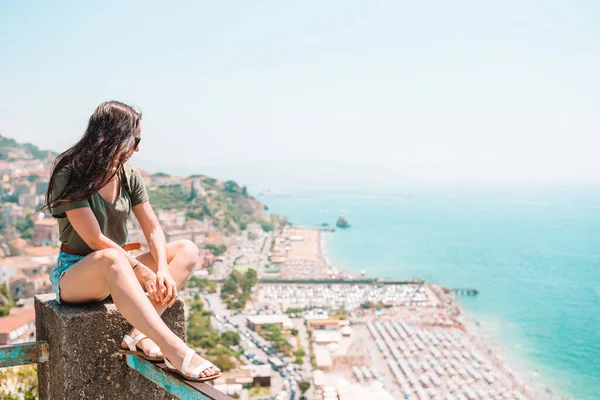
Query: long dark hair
(108, 138)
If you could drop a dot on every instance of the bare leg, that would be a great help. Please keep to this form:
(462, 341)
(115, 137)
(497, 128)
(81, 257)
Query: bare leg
(181, 258)
(108, 272)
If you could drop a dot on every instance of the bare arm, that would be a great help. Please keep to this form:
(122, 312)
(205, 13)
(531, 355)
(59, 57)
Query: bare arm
(167, 289)
(86, 225)
(153, 233)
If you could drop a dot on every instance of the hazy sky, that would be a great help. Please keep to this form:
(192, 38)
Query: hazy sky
(452, 91)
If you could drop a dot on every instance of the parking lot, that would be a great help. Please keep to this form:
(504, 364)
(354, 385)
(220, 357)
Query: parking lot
(257, 350)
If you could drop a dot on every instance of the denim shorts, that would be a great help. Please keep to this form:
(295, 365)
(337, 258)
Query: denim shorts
(63, 263)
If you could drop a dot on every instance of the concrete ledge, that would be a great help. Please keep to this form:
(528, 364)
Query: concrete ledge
(84, 341)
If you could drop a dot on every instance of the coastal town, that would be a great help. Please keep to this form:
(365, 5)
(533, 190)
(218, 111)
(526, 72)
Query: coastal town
(264, 304)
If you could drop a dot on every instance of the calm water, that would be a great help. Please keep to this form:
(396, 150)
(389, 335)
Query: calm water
(534, 254)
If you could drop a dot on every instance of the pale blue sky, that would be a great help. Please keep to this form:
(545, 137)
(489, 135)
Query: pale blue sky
(461, 91)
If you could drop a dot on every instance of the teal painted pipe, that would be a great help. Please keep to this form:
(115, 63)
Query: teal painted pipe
(23, 353)
(172, 384)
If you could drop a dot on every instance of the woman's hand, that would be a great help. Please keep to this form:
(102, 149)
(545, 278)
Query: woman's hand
(147, 278)
(167, 288)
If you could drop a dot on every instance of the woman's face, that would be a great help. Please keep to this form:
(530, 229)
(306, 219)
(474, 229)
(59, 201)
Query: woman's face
(138, 137)
(133, 148)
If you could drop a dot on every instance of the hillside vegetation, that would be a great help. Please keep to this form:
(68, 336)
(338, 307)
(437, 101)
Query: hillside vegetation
(11, 150)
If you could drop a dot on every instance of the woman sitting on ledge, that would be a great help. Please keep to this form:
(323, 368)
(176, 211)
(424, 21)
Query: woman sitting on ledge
(92, 191)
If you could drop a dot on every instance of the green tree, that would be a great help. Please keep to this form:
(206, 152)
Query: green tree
(230, 338)
(273, 334)
(229, 287)
(266, 225)
(232, 187)
(193, 193)
(194, 214)
(236, 283)
(223, 362)
(250, 279)
(341, 313)
(202, 284)
(304, 386)
(5, 307)
(25, 227)
(26, 387)
(168, 198)
(216, 250)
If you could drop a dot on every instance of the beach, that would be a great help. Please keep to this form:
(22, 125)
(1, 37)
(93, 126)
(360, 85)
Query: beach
(302, 257)
(426, 346)
(412, 340)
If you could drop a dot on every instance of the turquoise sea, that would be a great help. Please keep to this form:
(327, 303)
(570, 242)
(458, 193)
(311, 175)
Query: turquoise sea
(533, 253)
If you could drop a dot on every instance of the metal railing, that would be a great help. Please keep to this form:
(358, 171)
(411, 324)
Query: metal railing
(37, 352)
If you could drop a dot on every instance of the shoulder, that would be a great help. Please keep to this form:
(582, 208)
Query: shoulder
(133, 176)
(129, 169)
(62, 175)
(135, 181)
(60, 179)
(64, 171)
(131, 172)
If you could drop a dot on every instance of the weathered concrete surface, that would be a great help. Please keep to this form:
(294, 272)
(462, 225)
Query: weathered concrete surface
(84, 341)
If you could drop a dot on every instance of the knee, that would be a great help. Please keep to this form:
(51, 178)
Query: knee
(111, 259)
(189, 251)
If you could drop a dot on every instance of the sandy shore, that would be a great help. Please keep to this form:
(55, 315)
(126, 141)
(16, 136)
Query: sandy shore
(305, 258)
(308, 249)
(522, 377)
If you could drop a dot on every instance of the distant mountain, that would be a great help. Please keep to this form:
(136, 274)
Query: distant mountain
(285, 175)
(11, 150)
(291, 175)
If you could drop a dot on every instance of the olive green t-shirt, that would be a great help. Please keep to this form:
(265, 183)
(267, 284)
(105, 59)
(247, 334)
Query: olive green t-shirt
(112, 218)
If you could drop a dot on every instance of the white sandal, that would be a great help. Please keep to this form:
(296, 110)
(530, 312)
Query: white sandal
(195, 374)
(133, 349)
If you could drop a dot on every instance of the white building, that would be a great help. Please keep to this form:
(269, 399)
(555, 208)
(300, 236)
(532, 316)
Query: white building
(18, 326)
(6, 273)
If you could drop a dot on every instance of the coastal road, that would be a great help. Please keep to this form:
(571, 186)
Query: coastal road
(306, 367)
(263, 257)
(304, 341)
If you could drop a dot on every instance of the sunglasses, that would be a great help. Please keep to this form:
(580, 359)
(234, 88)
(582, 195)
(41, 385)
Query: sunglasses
(137, 142)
